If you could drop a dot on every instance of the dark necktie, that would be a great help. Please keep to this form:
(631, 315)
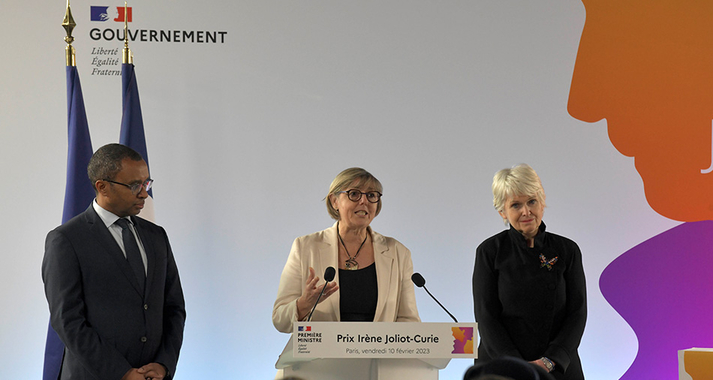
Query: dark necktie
(133, 255)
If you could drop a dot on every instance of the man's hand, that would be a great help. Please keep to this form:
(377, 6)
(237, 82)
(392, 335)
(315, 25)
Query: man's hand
(133, 374)
(153, 371)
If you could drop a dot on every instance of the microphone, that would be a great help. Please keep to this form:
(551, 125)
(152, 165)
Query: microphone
(419, 281)
(328, 276)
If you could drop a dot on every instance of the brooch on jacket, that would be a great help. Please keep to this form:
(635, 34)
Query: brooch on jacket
(544, 263)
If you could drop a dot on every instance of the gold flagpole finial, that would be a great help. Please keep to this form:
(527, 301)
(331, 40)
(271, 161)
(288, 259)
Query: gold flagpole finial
(127, 57)
(68, 24)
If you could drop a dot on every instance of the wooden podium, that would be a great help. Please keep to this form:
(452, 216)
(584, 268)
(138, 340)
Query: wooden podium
(374, 350)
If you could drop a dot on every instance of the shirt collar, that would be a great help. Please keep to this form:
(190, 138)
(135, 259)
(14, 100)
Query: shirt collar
(106, 216)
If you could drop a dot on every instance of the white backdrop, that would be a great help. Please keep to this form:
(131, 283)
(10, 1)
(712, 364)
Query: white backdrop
(245, 136)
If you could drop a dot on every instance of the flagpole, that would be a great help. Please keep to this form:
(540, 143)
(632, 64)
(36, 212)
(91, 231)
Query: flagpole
(127, 57)
(68, 24)
(78, 191)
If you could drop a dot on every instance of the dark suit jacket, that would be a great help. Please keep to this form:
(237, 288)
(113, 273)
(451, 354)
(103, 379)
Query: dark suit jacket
(107, 325)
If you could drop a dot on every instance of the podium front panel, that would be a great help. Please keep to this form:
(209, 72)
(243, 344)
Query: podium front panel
(384, 340)
(362, 369)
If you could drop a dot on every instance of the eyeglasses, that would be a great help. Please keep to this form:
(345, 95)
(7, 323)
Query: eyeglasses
(136, 187)
(355, 195)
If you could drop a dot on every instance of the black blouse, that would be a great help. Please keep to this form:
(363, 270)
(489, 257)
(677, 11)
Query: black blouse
(358, 294)
(525, 309)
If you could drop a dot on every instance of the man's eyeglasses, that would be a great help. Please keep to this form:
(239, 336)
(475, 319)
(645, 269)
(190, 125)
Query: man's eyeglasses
(355, 195)
(136, 187)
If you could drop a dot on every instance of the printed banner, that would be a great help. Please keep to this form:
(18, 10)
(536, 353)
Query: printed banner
(384, 340)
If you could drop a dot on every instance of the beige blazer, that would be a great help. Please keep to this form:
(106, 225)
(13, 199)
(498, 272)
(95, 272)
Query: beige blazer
(396, 303)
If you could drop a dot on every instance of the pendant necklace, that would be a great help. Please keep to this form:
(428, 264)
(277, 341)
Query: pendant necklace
(351, 263)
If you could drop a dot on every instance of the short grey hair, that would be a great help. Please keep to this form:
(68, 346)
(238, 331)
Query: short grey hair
(352, 178)
(516, 181)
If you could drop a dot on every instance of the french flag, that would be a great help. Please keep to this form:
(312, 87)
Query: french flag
(132, 127)
(78, 193)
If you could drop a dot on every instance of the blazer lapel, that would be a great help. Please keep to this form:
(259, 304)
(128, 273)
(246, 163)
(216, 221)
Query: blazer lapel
(111, 248)
(329, 255)
(385, 272)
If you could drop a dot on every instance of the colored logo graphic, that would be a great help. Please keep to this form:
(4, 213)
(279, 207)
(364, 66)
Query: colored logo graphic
(304, 328)
(462, 340)
(644, 66)
(102, 13)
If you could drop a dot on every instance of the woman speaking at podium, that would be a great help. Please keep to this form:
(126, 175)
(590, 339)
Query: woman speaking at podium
(528, 284)
(373, 277)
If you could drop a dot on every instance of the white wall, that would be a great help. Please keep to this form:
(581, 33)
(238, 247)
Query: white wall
(244, 138)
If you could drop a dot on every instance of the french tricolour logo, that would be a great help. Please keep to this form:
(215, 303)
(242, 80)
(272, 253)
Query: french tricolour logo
(105, 13)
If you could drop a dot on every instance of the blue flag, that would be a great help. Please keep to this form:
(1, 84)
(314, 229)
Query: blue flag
(132, 125)
(78, 193)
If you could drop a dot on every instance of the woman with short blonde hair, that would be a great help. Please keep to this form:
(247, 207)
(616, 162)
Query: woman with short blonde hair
(529, 290)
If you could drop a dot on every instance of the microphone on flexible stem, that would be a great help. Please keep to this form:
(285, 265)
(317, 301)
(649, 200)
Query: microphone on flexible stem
(421, 283)
(328, 276)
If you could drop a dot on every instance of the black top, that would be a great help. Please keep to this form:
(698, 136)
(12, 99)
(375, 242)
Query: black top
(526, 310)
(358, 294)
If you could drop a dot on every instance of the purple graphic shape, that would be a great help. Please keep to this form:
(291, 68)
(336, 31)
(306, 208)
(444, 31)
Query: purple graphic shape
(663, 288)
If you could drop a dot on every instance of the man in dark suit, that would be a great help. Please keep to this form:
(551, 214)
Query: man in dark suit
(111, 281)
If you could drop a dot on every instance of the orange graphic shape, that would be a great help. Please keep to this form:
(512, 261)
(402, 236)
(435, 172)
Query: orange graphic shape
(646, 66)
(458, 333)
(468, 348)
(698, 364)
